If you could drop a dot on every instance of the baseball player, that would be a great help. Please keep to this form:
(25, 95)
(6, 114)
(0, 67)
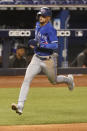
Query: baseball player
(45, 45)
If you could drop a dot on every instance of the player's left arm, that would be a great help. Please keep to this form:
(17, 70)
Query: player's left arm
(53, 44)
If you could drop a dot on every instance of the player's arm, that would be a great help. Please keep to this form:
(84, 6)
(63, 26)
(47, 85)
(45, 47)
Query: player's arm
(52, 46)
(32, 43)
(53, 41)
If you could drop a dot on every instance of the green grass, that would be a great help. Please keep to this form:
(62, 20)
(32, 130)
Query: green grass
(44, 106)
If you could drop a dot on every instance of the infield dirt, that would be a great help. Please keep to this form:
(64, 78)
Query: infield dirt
(38, 81)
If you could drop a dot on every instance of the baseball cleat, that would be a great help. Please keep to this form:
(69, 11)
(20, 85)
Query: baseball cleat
(71, 83)
(17, 108)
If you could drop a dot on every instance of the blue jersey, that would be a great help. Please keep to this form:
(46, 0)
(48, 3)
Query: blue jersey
(47, 38)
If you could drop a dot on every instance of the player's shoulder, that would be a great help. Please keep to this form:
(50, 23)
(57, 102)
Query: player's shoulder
(37, 24)
(50, 27)
(49, 24)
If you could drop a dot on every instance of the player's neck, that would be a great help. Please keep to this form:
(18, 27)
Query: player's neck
(43, 24)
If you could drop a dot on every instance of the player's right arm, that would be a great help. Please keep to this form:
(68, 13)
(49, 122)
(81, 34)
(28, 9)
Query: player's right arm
(33, 42)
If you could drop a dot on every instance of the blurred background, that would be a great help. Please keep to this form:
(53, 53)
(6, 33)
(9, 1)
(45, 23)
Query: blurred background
(17, 24)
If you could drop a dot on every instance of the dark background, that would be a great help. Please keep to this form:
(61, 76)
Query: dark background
(26, 19)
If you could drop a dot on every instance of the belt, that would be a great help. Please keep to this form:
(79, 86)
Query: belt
(43, 57)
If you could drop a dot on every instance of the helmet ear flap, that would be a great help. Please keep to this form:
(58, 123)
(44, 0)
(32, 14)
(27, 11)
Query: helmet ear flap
(38, 15)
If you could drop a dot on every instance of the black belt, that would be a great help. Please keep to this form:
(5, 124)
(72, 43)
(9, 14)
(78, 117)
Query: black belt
(43, 58)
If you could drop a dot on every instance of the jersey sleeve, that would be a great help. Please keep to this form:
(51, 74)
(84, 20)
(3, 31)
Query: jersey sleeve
(52, 36)
(36, 28)
(53, 40)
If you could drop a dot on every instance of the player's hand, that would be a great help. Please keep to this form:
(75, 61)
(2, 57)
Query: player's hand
(31, 46)
(32, 42)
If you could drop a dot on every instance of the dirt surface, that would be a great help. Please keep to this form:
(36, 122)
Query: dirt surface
(52, 127)
(38, 81)
(42, 81)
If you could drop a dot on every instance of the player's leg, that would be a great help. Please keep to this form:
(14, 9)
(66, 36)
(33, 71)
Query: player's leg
(50, 69)
(32, 70)
(66, 79)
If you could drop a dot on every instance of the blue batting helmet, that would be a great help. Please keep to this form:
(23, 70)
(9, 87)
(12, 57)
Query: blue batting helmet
(45, 11)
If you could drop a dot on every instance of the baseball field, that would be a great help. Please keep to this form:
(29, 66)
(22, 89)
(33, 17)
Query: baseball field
(47, 107)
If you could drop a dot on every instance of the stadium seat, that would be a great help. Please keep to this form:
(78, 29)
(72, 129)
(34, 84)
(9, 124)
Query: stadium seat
(37, 2)
(23, 2)
(53, 2)
(74, 2)
(7, 2)
(61, 2)
(44, 2)
(85, 1)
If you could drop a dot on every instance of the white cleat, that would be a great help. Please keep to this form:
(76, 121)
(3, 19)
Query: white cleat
(17, 108)
(71, 83)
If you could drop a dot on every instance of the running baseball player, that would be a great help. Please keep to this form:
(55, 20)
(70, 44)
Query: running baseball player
(45, 45)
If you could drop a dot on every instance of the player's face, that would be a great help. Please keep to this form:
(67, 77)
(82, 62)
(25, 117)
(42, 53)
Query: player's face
(44, 19)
